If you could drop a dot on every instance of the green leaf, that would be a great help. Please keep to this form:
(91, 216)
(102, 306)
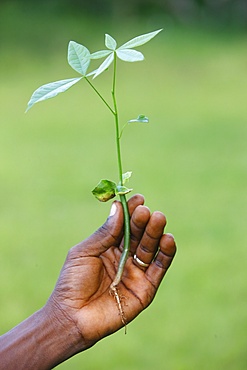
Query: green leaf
(110, 42)
(100, 54)
(126, 176)
(51, 90)
(107, 62)
(129, 55)
(139, 40)
(105, 190)
(78, 57)
(122, 190)
(140, 119)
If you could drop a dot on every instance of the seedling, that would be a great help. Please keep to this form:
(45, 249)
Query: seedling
(79, 58)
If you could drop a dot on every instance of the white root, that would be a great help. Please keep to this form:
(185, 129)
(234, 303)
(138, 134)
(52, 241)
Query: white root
(115, 294)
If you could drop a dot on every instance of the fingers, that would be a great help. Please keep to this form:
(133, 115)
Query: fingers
(153, 251)
(110, 233)
(157, 269)
(149, 243)
(138, 222)
(134, 202)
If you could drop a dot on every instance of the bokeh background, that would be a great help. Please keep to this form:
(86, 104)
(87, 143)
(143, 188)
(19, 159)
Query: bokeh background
(190, 162)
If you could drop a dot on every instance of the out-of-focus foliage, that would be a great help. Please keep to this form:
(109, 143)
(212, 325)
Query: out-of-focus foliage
(193, 87)
(221, 12)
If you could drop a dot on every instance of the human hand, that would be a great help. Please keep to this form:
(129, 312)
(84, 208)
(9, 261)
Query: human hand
(81, 309)
(82, 299)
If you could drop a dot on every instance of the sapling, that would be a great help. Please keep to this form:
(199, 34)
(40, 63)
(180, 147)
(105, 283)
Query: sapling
(79, 58)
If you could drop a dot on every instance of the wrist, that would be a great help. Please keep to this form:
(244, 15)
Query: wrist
(40, 342)
(61, 338)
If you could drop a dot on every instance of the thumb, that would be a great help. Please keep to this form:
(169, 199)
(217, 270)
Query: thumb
(108, 235)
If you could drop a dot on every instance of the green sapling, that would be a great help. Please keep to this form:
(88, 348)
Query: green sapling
(79, 58)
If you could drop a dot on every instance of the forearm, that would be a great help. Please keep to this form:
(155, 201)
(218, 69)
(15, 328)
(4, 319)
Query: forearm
(40, 342)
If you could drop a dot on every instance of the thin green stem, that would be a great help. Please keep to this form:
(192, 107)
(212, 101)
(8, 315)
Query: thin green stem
(101, 97)
(126, 248)
(121, 133)
(123, 200)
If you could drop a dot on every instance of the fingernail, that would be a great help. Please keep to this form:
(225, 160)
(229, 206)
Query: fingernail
(170, 234)
(113, 209)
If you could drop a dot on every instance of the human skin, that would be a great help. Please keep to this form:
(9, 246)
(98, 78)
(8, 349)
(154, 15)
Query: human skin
(81, 310)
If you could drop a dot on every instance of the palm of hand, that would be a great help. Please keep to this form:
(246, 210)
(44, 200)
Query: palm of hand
(86, 294)
(83, 290)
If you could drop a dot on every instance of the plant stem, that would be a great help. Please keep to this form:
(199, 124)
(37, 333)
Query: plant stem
(126, 247)
(123, 200)
(101, 97)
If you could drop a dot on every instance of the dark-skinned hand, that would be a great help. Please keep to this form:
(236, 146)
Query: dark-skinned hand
(81, 310)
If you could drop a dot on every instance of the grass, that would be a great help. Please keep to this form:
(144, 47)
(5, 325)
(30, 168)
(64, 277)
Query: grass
(189, 162)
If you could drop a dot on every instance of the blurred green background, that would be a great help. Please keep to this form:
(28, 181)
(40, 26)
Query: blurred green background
(190, 162)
